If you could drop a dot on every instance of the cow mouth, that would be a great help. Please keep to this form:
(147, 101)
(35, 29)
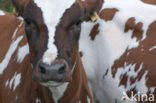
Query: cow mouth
(53, 79)
(52, 83)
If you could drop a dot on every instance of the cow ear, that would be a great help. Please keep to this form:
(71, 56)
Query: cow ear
(90, 7)
(20, 5)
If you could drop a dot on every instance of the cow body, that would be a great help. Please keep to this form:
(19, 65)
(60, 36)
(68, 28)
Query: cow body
(119, 51)
(16, 81)
(17, 85)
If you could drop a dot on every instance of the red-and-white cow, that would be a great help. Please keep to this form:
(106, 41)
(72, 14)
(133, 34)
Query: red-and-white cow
(17, 85)
(53, 34)
(119, 52)
(16, 81)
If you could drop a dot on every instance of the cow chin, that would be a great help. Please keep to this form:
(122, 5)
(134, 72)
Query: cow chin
(51, 83)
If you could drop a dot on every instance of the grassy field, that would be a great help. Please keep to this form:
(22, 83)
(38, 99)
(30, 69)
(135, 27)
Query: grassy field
(6, 5)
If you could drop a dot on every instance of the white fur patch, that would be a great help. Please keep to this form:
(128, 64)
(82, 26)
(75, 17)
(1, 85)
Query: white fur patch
(52, 11)
(58, 92)
(83, 0)
(154, 47)
(50, 55)
(16, 97)
(152, 89)
(22, 53)
(37, 100)
(15, 81)
(2, 13)
(7, 83)
(15, 32)
(8, 55)
(88, 99)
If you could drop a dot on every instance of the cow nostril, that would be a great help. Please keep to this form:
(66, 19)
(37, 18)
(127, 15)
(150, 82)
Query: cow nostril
(62, 69)
(42, 69)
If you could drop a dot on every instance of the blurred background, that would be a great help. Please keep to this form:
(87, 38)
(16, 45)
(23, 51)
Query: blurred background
(6, 6)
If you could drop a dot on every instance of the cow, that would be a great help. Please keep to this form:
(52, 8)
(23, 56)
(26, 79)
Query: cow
(16, 69)
(16, 81)
(52, 29)
(119, 52)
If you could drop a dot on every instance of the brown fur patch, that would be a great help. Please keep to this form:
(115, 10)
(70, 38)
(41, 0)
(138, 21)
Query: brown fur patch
(81, 54)
(153, 2)
(124, 79)
(78, 87)
(94, 31)
(20, 5)
(108, 14)
(137, 28)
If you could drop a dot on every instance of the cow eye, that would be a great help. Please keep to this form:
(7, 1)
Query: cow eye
(28, 21)
(29, 24)
(78, 23)
(30, 29)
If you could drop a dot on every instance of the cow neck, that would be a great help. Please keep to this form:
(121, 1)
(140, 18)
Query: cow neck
(100, 6)
(77, 90)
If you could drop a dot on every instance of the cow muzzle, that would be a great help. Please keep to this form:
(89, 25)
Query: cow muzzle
(54, 74)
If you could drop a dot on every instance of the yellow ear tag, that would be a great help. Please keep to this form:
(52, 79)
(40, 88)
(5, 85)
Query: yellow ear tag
(94, 17)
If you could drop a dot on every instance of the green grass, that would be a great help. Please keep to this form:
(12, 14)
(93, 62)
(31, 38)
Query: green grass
(6, 5)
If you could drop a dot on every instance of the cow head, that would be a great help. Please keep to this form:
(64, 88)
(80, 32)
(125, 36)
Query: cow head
(53, 30)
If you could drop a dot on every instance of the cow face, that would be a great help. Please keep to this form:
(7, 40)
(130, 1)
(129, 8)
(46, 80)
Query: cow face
(53, 30)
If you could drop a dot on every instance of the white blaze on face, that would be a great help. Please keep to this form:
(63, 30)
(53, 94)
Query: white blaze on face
(2, 13)
(52, 11)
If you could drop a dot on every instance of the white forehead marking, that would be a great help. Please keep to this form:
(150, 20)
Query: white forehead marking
(2, 13)
(22, 53)
(52, 11)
